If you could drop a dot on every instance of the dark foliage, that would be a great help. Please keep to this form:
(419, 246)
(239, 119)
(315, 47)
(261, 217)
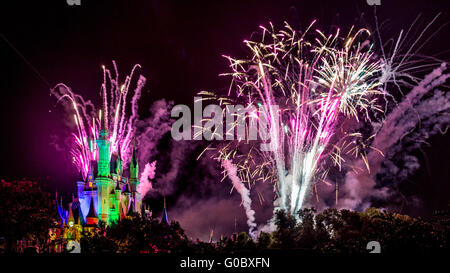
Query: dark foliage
(344, 231)
(135, 235)
(26, 213)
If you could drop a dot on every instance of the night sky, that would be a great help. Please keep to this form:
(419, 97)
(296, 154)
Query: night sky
(179, 45)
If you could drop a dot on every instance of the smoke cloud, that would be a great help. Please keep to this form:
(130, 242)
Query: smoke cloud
(179, 152)
(152, 129)
(147, 175)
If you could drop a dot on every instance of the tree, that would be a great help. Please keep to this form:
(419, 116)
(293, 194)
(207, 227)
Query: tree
(306, 228)
(136, 234)
(286, 234)
(265, 240)
(26, 212)
(94, 240)
(345, 231)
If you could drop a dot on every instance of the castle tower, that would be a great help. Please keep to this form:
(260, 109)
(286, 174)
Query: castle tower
(104, 182)
(106, 194)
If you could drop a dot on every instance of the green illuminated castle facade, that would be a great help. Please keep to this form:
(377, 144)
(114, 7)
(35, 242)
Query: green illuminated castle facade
(106, 194)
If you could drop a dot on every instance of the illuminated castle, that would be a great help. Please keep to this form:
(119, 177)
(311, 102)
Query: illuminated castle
(105, 194)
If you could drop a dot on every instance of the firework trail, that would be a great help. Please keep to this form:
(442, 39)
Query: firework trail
(118, 115)
(423, 112)
(312, 97)
(415, 107)
(245, 195)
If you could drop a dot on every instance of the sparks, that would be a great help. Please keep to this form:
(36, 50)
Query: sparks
(117, 113)
(316, 85)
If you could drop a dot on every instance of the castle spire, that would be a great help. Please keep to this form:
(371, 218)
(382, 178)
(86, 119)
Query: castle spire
(118, 187)
(127, 189)
(90, 171)
(104, 124)
(131, 210)
(211, 233)
(103, 144)
(134, 166)
(118, 169)
(134, 157)
(164, 217)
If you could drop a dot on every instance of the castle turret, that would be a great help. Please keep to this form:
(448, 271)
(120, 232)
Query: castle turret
(90, 176)
(75, 208)
(85, 191)
(91, 217)
(115, 204)
(147, 212)
(118, 187)
(134, 166)
(131, 210)
(134, 181)
(126, 198)
(164, 218)
(71, 220)
(119, 167)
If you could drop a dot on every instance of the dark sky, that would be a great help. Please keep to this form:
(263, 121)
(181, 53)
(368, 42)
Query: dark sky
(179, 44)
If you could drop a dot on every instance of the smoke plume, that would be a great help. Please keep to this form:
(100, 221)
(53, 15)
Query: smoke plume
(429, 110)
(245, 195)
(147, 175)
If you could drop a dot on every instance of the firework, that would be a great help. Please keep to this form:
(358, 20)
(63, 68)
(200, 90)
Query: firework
(314, 92)
(416, 107)
(117, 115)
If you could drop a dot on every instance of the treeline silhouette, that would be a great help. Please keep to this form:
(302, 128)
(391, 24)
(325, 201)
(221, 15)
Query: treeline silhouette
(28, 213)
